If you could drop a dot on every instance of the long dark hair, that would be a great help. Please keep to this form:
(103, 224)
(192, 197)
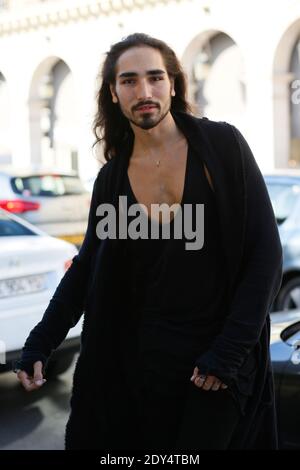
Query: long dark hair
(110, 126)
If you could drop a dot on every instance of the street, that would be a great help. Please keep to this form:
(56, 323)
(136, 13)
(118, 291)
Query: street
(35, 420)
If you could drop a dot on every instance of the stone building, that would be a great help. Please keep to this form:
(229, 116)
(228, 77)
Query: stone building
(242, 60)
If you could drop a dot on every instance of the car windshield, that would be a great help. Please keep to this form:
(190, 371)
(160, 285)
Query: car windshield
(283, 197)
(47, 185)
(11, 228)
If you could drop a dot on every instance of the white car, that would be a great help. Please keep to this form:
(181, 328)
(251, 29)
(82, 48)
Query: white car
(31, 266)
(54, 201)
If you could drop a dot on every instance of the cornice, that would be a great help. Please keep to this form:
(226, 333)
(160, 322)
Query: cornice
(52, 14)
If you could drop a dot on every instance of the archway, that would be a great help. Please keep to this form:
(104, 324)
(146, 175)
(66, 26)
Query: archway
(286, 80)
(215, 69)
(54, 116)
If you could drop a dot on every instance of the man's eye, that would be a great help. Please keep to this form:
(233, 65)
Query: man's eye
(156, 79)
(129, 81)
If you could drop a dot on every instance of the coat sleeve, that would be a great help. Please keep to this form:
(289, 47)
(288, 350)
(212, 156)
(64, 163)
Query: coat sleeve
(68, 301)
(258, 281)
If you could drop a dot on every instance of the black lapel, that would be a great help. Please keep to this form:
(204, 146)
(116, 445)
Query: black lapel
(215, 145)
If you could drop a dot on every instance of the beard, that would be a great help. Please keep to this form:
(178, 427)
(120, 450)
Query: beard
(147, 120)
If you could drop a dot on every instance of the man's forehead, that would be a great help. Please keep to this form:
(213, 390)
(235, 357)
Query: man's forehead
(140, 60)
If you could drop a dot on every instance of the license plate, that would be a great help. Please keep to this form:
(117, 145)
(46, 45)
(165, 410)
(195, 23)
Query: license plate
(22, 285)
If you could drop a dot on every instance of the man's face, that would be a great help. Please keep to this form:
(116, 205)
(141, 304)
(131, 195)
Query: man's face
(143, 88)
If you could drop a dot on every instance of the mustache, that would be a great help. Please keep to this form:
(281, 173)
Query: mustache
(145, 103)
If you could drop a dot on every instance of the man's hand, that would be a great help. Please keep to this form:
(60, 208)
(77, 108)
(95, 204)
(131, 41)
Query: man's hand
(207, 382)
(32, 383)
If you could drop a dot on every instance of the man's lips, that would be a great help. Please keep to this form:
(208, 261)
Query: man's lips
(147, 107)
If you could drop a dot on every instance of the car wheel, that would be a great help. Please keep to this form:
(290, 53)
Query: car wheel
(58, 366)
(289, 295)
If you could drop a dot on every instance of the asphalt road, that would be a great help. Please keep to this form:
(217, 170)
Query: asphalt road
(35, 420)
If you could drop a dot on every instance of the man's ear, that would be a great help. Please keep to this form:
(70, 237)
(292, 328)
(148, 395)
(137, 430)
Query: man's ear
(113, 94)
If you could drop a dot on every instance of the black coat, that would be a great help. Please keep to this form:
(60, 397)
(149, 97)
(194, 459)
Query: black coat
(104, 401)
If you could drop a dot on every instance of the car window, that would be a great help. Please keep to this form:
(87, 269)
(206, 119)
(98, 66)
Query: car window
(283, 198)
(47, 185)
(11, 228)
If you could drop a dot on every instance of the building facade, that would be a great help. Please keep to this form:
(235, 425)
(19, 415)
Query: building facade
(242, 61)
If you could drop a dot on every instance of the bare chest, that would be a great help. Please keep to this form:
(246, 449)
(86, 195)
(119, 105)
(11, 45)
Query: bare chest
(152, 184)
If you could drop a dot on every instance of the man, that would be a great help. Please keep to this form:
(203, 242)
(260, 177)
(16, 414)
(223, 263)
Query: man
(175, 342)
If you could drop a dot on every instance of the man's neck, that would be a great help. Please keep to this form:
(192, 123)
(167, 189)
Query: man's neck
(158, 138)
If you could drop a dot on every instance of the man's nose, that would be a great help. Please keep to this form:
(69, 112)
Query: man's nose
(144, 90)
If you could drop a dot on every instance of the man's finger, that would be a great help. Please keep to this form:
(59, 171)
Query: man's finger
(24, 378)
(27, 381)
(195, 373)
(38, 369)
(32, 383)
(216, 385)
(224, 386)
(38, 374)
(210, 380)
(199, 380)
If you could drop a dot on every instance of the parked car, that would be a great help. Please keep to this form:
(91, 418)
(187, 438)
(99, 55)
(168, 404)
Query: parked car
(56, 202)
(285, 355)
(31, 266)
(284, 190)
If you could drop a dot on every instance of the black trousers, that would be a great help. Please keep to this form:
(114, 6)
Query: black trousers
(196, 420)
